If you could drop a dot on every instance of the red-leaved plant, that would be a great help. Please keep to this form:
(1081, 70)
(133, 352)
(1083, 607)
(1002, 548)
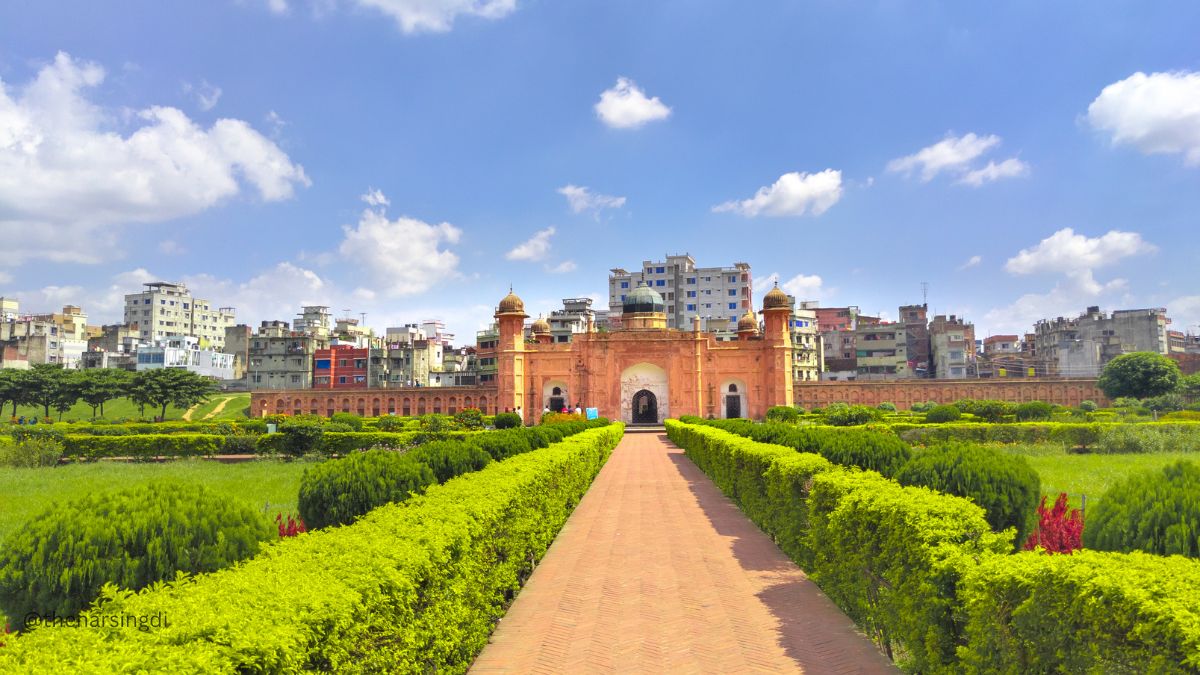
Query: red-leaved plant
(290, 527)
(1057, 531)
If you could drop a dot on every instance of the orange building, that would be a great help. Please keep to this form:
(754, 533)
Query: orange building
(646, 372)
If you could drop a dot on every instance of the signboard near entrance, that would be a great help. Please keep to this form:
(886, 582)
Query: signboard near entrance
(592, 413)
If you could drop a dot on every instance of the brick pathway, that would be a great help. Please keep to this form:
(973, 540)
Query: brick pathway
(656, 571)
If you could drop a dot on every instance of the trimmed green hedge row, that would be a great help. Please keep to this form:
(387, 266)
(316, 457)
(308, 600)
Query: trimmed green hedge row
(1090, 436)
(408, 588)
(866, 448)
(145, 445)
(922, 573)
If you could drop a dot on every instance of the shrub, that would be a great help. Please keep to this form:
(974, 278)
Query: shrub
(504, 443)
(410, 588)
(58, 561)
(848, 416)
(143, 446)
(469, 418)
(349, 419)
(434, 423)
(1089, 612)
(889, 407)
(1088, 406)
(942, 414)
(31, 452)
(337, 491)
(338, 428)
(1004, 485)
(1058, 529)
(300, 438)
(1138, 375)
(1155, 512)
(1165, 403)
(391, 423)
(22, 432)
(448, 459)
(507, 420)
(239, 445)
(1034, 410)
(782, 413)
(924, 407)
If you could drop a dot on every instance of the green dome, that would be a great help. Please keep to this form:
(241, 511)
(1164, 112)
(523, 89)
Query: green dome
(643, 299)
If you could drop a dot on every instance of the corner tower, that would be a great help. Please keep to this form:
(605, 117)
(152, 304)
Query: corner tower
(510, 354)
(777, 313)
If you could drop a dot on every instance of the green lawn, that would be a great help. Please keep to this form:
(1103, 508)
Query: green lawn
(237, 406)
(121, 408)
(268, 485)
(1089, 474)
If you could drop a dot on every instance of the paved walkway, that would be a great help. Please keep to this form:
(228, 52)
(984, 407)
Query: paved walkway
(656, 571)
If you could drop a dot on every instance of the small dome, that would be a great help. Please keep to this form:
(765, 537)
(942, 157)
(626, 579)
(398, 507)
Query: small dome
(541, 326)
(643, 299)
(747, 322)
(776, 299)
(511, 304)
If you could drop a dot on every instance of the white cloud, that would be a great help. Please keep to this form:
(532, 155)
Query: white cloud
(971, 262)
(274, 294)
(1157, 113)
(794, 194)
(625, 106)
(1185, 313)
(535, 248)
(1009, 168)
(437, 16)
(1068, 252)
(581, 199)
(277, 6)
(374, 197)
(68, 180)
(802, 286)
(562, 267)
(1069, 297)
(206, 94)
(403, 256)
(950, 154)
(171, 247)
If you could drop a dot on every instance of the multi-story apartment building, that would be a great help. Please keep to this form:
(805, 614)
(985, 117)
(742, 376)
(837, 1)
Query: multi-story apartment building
(185, 352)
(688, 291)
(166, 309)
(412, 358)
(1179, 342)
(953, 346)
(115, 347)
(881, 352)
(916, 328)
(43, 338)
(1080, 347)
(574, 318)
(839, 351)
(806, 343)
(9, 309)
(341, 366)
(314, 320)
(278, 357)
(486, 344)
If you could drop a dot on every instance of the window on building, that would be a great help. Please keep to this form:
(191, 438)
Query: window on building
(342, 379)
(359, 379)
(322, 364)
(659, 270)
(660, 282)
(733, 291)
(733, 278)
(956, 354)
(691, 308)
(691, 294)
(624, 284)
(708, 305)
(691, 280)
(295, 379)
(341, 362)
(360, 363)
(733, 305)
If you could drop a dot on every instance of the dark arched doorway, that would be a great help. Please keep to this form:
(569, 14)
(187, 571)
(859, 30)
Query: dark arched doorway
(645, 408)
(557, 402)
(733, 403)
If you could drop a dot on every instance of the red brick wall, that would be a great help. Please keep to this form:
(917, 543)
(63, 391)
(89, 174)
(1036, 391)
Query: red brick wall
(904, 393)
(373, 402)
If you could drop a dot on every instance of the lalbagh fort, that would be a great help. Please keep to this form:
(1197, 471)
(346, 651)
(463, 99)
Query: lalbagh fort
(643, 372)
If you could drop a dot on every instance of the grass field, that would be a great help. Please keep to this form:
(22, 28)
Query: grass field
(1089, 474)
(236, 406)
(268, 485)
(122, 408)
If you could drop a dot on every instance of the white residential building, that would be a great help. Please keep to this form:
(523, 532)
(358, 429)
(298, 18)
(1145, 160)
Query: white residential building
(184, 351)
(165, 309)
(717, 294)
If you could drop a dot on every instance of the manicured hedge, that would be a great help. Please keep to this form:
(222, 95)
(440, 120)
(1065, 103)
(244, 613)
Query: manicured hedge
(1086, 436)
(415, 587)
(866, 448)
(339, 491)
(1087, 612)
(143, 446)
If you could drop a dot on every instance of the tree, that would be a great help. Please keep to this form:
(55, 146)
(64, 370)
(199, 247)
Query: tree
(12, 388)
(66, 392)
(162, 387)
(1140, 375)
(100, 385)
(1189, 386)
(44, 385)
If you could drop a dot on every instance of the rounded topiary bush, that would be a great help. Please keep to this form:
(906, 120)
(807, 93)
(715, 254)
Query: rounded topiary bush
(1154, 511)
(57, 562)
(887, 406)
(338, 491)
(782, 413)
(448, 459)
(1088, 406)
(349, 419)
(943, 413)
(841, 415)
(1005, 485)
(300, 437)
(507, 420)
(1034, 410)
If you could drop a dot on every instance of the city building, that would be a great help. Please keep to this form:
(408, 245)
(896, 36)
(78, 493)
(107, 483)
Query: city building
(341, 366)
(116, 346)
(412, 358)
(486, 347)
(716, 293)
(166, 309)
(185, 352)
(881, 351)
(953, 346)
(45, 338)
(314, 320)
(1179, 342)
(916, 328)
(10, 308)
(807, 361)
(837, 326)
(278, 357)
(1081, 346)
(574, 318)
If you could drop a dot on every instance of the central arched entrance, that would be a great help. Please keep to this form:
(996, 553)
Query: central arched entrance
(645, 407)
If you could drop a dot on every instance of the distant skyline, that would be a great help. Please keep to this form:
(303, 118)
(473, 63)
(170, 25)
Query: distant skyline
(411, 159)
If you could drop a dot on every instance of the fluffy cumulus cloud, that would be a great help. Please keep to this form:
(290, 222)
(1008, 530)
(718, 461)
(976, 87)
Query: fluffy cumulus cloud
(625, 106)
(404, 256)
(534, 248)
(956, 155)
(1075, 258)
(794, 194)
(1185, 312)
(437, 16)
(1157, 113)
(802, 286)
(69, 178)
(562, 267)
(275, 294)
(581, 199)
(971, 262)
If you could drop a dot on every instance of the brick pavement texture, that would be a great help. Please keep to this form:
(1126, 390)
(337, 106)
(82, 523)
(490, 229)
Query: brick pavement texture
(656, 571)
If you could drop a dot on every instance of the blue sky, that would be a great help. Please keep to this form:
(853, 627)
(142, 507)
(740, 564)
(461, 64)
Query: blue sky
(412, 158)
